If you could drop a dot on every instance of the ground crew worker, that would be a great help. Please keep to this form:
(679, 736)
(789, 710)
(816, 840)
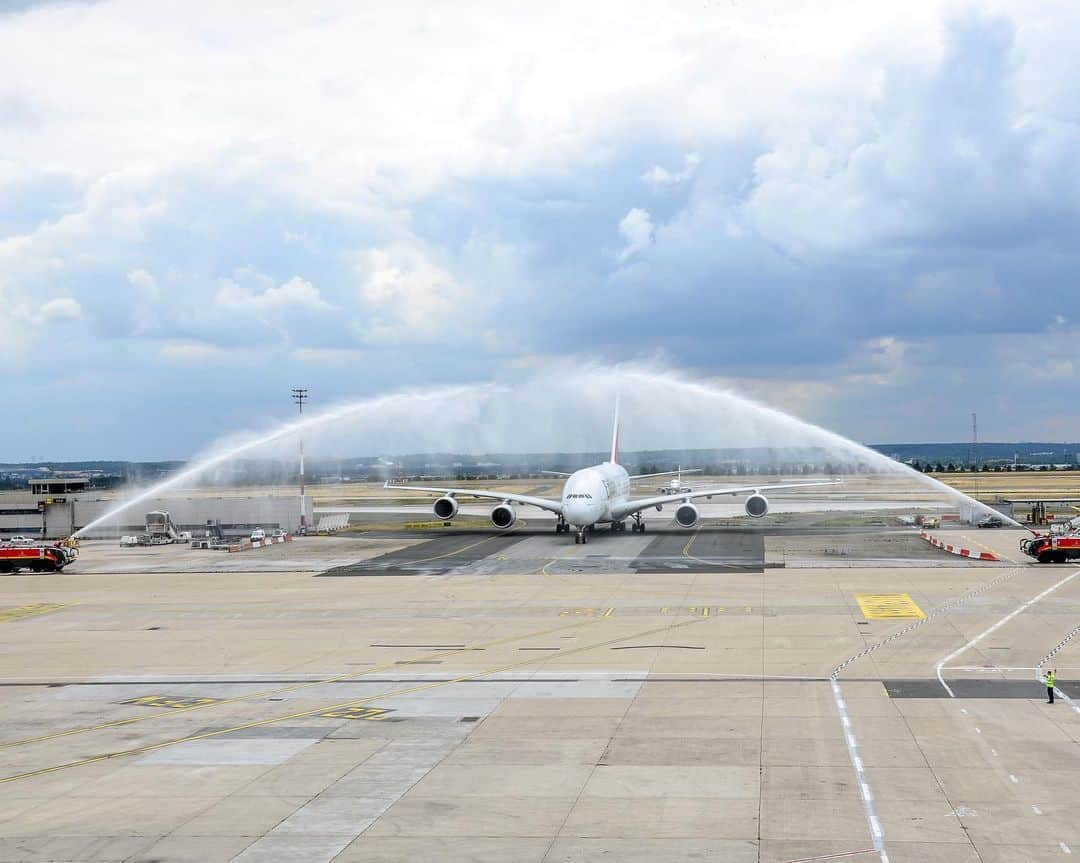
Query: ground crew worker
(1050, 675)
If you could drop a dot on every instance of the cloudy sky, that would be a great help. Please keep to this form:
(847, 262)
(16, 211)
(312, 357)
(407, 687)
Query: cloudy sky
(868, 214)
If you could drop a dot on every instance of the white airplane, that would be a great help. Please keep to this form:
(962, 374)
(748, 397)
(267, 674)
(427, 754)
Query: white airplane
(601, 495)
(676, 484)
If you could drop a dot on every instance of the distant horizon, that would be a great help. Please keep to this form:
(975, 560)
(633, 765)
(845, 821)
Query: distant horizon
(1068, 447)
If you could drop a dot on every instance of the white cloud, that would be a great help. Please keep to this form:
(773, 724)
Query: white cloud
(58, 310)
(882, 170)
(190, 353)
(637, 230)
(658, 176)
(144, 283)
(295, 294)
(407, 295)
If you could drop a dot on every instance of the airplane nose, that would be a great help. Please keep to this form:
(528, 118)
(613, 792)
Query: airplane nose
(577, 513)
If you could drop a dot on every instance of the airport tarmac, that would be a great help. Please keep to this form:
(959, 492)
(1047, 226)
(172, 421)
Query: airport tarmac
(460, 695)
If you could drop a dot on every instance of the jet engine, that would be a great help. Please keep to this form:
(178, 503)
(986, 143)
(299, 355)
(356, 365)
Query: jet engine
(445, 508)
(757, 506)
(503, 516)
(686, 515)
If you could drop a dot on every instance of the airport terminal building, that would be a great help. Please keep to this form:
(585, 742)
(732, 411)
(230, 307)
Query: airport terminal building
(57, 507)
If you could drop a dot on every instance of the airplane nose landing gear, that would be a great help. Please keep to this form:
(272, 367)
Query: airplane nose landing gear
(581, 537)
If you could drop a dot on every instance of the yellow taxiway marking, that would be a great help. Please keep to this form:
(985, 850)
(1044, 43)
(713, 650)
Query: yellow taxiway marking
(993, 551)
(888, 606)
(567, 556)
(455, 551)
(175, 702)
(686, 552)
(152, 747)
(22, 611)
(587, 612)
(373, 714)
(390, 666)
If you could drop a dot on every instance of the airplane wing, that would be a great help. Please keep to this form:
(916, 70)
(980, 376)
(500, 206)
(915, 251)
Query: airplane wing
(632, 506)
(554, 473)
(501, 496)
(665, 473)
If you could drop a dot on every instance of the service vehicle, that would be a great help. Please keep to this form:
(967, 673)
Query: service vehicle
(19, 540)
(38, 558)
(991, 521)
(1047, 548)
(258, 534)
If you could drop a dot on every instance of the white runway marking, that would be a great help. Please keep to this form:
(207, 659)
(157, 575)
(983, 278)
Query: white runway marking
(865, 793)
(1038, 668)
(996, 627)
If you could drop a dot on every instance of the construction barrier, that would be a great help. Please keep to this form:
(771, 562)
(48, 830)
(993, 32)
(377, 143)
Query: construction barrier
(954, 549)
(248, 544)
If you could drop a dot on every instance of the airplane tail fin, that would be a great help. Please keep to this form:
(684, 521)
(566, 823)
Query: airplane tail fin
(615, 435)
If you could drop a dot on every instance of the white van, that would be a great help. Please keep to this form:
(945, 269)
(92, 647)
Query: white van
(258, 534)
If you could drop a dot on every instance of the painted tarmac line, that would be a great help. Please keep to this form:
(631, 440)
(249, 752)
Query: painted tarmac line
(834, 856)
(352, 675)
(931, 615)
(22, 612)
(1017, 611)
(1057, 649)
(865, 793)
(359, 702)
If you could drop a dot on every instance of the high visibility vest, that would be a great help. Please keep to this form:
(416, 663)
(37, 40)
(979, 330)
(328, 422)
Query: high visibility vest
(1050, 679)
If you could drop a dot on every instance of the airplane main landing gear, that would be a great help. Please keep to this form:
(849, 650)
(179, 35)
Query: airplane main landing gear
(618, 526)
(561, 526)
(639, 524)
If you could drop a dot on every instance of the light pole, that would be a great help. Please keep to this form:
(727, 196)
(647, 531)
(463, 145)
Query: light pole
(300, 395)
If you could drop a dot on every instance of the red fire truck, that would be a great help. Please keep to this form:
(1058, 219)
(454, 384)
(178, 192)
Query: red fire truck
(38, 558)
(1048, 548)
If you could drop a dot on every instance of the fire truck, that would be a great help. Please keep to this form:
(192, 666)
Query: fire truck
(1051, 548)
(38, 558)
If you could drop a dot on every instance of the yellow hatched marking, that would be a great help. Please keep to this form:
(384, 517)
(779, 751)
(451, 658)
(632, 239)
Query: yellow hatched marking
(293, 688)
(586, 612)
(374, 714)
(888, 606)
(18, 613)
(153, 747)
(176, 702)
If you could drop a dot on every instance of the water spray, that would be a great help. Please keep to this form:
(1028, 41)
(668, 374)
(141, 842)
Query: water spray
(566, 410)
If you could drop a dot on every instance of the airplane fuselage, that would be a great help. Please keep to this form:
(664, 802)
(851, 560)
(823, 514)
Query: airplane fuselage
(590, 494)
